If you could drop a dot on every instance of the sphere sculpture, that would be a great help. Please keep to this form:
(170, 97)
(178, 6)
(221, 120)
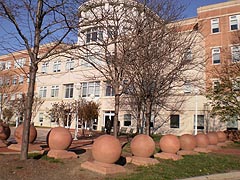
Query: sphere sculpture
(222, 137)
(5, 131)
(213, 138)
(106, 149)
(59, 138)
(202, 140)
(188, 142)
(169, 144)
(142, 146)
(19, 133)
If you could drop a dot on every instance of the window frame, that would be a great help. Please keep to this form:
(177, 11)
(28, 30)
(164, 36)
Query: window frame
(236, 24)
(216, 61)
(43, 92)
(175, 125)
(217, 28)
(235, 53)
(54, 91)
(69, 64)
(85, 92)
(128, 119)
(57, 66)
(68, 90)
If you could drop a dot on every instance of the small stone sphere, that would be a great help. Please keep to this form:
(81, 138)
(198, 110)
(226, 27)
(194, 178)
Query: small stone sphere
(222, 137)
(106, 149)
(59, 138)
(188, 142)
(169, 143)
(5, 131)
(142, 146)
(213, 138)
(202, 140)
(19, 133)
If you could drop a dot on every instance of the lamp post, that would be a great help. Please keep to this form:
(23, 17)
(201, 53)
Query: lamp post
(196, 111)
(78, 87)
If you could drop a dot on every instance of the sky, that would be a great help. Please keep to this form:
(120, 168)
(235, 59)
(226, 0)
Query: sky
(191, 11)
(192, 5)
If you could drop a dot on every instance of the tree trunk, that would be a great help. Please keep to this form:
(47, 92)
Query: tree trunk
(148, 116)
(139, 118)
(28, 113)
(115, 122)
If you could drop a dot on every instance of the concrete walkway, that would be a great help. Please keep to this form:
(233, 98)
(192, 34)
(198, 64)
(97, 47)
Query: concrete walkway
(234, 175)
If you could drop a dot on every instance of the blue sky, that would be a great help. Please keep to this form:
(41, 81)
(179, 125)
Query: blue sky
(192, 6)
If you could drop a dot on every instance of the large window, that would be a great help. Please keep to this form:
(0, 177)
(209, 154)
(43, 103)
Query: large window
(216, 55)
(54, 91)
(94, 34)
(109, 90)
(21, 79)
(68, 90)
(234, 22)
(174, 121)
(235, 50)
(200, 121)
(187, 87)
(127, 119)
(45, 67)
(57, 66)
(14, 80)
(69, 64)
(215, 25)
(91, 89)
(20, 63)
(43, 91)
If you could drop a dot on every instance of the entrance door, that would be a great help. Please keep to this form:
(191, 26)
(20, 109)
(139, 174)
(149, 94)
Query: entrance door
(108, 115)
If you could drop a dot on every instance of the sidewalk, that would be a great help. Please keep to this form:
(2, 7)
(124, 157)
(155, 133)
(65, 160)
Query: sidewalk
(234, 175)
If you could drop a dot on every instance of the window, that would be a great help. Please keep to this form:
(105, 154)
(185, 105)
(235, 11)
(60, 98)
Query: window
(2, 65)
(187, 87)
(216, 55)
(7, 81)
(13, 97)
(1, 81)
(188, 54)
(200, 121)
(54, 91)
(215, 25)
(216, 85)
(14, 80)
(94, 34)
(20, 80)
(8, 65)
(174, 121)
(68, 90)
(232, 123)
(70, 64)
(43, 91)
(127, 119)
(234, 22)
(109, 90)
(235, 53)
(91, 88)
(19, 63)
(56, 66)
(45, 67)
(40, 118)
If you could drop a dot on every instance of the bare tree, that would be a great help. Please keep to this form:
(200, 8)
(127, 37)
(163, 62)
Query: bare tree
(35, 23)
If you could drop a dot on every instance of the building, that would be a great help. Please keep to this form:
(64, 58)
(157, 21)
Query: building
(68, 78)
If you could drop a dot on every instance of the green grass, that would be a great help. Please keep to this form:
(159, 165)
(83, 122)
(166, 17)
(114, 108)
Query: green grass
(43, 157)
(190, 166)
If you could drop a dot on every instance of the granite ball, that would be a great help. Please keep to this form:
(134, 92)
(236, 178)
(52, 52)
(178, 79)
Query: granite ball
(213, 138)
(202, 140)
(19, 133)
(187, 142)
(169, 143)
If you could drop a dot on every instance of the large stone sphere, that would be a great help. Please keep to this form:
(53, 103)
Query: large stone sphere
(222, 137)
(5, 131)
(169, 143)
(188, 142)
(202, 140)
(142, 146)
(59, 138)
(213, 138)
(106, 149)
(19, 133)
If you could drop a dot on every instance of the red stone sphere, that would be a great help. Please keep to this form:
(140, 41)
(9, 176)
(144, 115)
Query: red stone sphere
(202, 140)
(188, 142)
(5, 131)
(169, 143)
(222, 137)
(59, 138)
(142, 146)
(19, 133)
(106, 149)
(213, 138)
